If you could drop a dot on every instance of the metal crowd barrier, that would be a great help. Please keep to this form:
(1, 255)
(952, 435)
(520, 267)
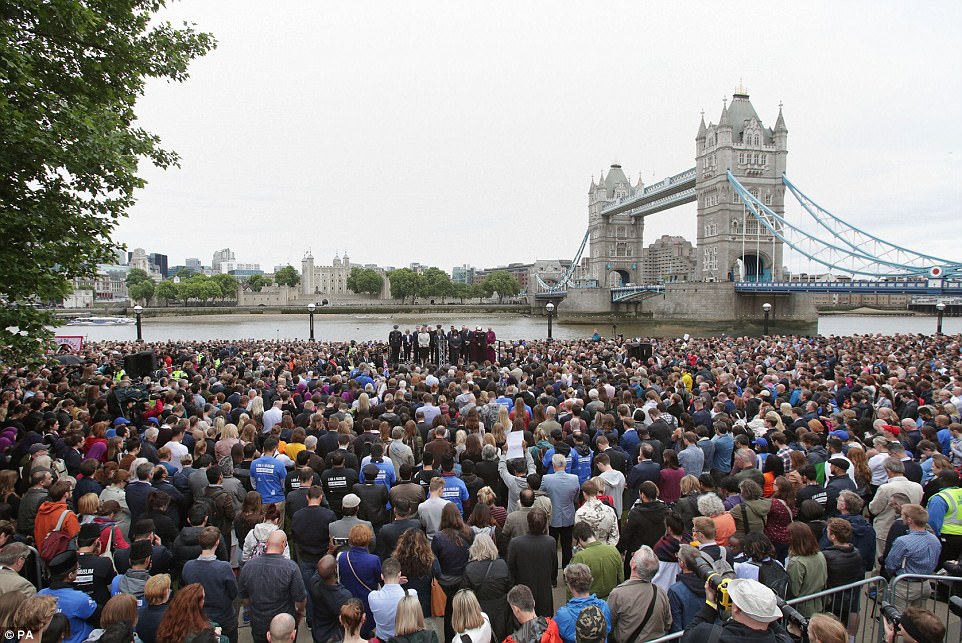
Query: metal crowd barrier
(856, 603)
(843, 601)
(930, 592)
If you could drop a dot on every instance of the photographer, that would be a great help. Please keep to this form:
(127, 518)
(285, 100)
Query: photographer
(915, 625)
(755, 615)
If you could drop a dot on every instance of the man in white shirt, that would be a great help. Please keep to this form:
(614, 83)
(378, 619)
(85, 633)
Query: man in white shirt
(177, 449)
(273, 416)
(429, 511)
(384, 601)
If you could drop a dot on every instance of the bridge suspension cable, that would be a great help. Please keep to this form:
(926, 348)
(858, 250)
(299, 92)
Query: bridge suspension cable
(833, 254)
(864, 243)
(562, 284)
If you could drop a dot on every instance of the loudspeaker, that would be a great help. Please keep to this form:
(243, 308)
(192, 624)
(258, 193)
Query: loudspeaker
(140, 364)
(640, 351)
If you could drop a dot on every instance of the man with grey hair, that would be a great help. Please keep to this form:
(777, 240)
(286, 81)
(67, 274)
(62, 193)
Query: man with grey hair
(639, 609)
(562, 488)
(550, 423)
(12, 558)
(880, 507)
(282, 629)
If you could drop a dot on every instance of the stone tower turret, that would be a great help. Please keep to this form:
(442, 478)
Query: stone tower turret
(732, 244)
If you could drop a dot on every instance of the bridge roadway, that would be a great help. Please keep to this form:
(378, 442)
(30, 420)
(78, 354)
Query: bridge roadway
(667, 193)
(921, 287)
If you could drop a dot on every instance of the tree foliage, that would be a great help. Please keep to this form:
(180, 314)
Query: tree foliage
(503, 283)
(405, 283)
(69, 145)
(227, 284)
(365, 280)
(166, 290)
(436, 283)
(257, 282)
(287, 276)
(142, 291)
(136, 276)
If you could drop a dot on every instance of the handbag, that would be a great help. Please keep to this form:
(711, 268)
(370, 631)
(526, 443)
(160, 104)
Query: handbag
(356, 577)
(438, 599)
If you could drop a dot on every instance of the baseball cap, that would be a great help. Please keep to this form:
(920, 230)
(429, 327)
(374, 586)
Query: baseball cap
(591, 626)
(153, 420)
(841, 463)
(756, 600)
(63, 563)
(37, 448)
(840, 434)
(120, 421)
(760, 442)
(350, 501)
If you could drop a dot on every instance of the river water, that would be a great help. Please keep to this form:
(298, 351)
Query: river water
(377, 326)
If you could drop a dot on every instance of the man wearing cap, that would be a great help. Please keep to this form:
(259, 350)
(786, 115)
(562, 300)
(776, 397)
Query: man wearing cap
(94, 572)
(838, 480)
(72, 603)
(578, 579)
(339, 529)
(754, 617)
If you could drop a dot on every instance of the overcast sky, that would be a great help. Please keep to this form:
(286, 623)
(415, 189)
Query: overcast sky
(463, 132)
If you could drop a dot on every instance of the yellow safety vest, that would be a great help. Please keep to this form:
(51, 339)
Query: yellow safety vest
(952, 525)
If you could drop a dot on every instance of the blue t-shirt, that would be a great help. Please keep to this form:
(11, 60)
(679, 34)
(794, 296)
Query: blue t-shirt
(455, 491)
(268, 475)
(77, 607)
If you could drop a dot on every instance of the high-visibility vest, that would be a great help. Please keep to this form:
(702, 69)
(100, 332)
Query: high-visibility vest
(952, 524)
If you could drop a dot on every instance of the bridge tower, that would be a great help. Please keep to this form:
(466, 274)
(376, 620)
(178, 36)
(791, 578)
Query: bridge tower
(732, 244)
(616, 241)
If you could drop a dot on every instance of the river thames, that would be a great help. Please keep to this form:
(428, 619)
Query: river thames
(507, 327)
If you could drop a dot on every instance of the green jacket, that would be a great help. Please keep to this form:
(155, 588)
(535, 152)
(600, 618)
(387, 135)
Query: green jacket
(807, 575)
(607, 568)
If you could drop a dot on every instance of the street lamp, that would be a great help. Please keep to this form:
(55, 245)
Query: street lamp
(310, 309)
(767, 307)
(550, 308)
(139, 310)
(940, 307)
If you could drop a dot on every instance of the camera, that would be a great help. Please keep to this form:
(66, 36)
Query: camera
(718, 581)
(891, 613)
(794, 617)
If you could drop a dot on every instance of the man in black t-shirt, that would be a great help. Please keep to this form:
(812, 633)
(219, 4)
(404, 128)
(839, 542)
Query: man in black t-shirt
(94, 572)
(338, 481)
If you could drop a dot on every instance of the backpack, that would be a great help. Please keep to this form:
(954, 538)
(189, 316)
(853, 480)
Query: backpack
(773, 575)
(259, 549)
(210, 504)
(59, 468)
(721, 565)
(57, 541)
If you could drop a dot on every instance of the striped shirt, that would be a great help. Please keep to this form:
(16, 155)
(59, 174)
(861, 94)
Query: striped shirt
(917, 552)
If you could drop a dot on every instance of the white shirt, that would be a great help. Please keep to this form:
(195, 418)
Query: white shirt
(177, 451)
(877, 464)
(272, 416)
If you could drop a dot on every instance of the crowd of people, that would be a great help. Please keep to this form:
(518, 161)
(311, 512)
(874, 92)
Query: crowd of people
(362, 489)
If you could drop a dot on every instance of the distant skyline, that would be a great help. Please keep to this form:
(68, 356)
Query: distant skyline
(448, 133)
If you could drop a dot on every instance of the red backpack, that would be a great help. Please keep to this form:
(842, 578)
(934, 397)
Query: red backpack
(57, 541)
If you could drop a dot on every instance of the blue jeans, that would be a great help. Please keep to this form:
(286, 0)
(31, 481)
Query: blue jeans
(307, 573)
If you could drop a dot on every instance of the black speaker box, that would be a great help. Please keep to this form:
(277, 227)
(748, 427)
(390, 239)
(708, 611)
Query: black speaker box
(140, 364)
(640, 350)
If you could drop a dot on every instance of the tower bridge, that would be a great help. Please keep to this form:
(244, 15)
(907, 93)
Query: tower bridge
(740, 184)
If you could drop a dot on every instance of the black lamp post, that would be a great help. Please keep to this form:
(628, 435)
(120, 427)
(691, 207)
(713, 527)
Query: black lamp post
(310, 309)
(767, 307)
(940, 307)
(138, 311)
(550, 308)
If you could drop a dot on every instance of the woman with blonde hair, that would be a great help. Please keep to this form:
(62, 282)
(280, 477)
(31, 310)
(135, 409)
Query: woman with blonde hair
(409, 623)
(151, 613)
(468, 620)
(33, 616)
(776, 421)
(229, 436)
(825, 628)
